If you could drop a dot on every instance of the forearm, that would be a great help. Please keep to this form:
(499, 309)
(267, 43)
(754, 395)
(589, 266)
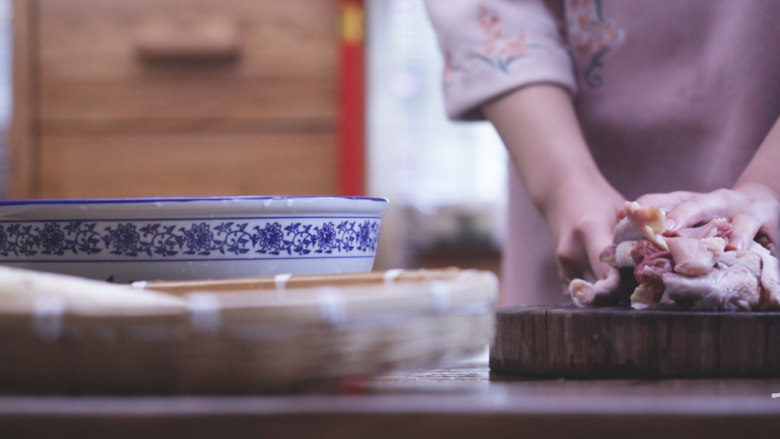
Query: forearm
(542, 134)
(751, 205)
(541, 131)
(764, 168)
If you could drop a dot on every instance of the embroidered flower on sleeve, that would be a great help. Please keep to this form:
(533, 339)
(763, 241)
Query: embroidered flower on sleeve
(591, 37)
(496, 44)
(498, 50)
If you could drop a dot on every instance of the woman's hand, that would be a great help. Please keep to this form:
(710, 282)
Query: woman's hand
(582, 217)
(751, 205)
(752, 208)
(544, 139)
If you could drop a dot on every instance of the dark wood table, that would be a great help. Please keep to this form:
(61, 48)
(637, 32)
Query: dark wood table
(462, 400)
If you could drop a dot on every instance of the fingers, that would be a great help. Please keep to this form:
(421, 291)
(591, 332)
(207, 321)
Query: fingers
(770, 230)
(596, 240)
(579, 256)
(746, 226)
(570, 258)
(753, 218)
(569, 270)
(666, 201)
(700, 208)
(751, 211)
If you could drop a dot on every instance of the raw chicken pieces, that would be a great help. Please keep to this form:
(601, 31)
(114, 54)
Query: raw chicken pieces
(688, 269)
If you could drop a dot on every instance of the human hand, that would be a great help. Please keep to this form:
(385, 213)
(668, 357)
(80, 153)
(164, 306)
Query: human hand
(540, 128)
(752, 209)
(582, 218)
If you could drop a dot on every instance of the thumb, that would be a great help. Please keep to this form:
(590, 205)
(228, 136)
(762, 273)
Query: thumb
(597, 239)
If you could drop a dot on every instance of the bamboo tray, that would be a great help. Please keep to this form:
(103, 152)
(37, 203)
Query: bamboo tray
(245, 335)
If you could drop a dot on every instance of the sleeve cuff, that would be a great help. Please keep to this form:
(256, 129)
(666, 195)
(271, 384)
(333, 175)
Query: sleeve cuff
(466, 91)
(492, 47)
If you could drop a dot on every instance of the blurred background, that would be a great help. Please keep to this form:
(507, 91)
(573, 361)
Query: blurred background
(236, 97)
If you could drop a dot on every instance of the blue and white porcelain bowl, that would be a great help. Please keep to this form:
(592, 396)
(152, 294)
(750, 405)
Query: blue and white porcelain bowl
(125, 240)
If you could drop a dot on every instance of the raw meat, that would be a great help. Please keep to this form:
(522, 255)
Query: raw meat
(692, 268)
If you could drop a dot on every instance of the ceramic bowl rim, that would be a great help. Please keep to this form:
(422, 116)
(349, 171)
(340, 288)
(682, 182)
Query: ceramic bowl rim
(140, 200)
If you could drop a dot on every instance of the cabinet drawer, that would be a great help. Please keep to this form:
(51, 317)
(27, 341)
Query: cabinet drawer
(186, 165)
(96, 69)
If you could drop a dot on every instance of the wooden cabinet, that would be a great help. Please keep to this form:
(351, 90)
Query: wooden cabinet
(174, 97)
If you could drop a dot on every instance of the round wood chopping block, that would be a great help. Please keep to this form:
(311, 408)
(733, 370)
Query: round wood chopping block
(624, 343)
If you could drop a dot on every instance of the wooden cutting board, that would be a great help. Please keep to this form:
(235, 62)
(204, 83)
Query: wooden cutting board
(624, 343)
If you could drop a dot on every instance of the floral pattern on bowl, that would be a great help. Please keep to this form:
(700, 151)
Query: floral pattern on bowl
(196, 238)
(172, 239)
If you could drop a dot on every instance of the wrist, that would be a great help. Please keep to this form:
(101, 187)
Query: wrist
(757, 189)
(576, 192)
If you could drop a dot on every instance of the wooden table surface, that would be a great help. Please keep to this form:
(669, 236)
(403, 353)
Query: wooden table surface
(462, 400)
